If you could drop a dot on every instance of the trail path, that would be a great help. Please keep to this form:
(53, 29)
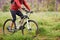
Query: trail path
(0, 30)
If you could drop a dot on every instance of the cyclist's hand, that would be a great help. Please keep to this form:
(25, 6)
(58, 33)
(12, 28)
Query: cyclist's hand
(31, 11)
(23, 8)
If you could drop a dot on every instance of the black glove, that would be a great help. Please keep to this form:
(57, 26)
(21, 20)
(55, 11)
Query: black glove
(31, 11)
(23, 8)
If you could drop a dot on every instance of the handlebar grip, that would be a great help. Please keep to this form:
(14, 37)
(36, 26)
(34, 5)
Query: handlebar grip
(27, 11)
(31, 12)
(23, 8)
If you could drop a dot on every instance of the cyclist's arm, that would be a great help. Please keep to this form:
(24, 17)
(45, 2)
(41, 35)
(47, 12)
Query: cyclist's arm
(26, 5)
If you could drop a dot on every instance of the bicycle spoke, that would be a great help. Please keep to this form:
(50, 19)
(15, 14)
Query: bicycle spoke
(33, 28)
(6, 27)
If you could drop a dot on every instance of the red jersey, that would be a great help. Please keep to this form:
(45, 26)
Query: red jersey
(18, 4)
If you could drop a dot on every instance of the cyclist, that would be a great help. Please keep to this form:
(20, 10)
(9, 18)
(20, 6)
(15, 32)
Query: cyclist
(16, 8)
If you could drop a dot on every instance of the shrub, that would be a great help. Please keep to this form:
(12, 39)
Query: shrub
(5, 8)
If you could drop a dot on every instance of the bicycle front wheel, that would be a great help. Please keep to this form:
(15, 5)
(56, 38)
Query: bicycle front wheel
(6, 25)
(33, 31)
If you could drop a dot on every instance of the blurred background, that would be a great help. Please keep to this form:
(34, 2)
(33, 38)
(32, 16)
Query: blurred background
(37, 5)
(46, 14)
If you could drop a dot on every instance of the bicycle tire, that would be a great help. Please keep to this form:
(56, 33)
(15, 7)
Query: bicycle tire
(5, 25)
(36, 32)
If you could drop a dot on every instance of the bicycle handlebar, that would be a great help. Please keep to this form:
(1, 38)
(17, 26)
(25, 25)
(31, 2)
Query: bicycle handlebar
(27, 10)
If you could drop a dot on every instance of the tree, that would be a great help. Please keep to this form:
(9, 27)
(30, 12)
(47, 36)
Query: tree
(2, 2)
(56, 5)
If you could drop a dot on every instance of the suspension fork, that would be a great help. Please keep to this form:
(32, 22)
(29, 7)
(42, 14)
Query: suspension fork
(28, 24)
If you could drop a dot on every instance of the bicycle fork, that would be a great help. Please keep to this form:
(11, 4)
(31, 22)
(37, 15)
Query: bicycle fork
(28, 25)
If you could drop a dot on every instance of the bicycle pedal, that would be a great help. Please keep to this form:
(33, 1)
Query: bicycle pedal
(10, 30)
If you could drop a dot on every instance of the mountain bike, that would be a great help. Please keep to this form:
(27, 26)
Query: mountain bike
(30, 27)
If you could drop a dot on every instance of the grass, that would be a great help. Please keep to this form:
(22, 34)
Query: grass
(16, 36)
(3, 17)
(49, 26)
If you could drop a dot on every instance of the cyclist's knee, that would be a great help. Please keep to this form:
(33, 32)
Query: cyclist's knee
(14, 20)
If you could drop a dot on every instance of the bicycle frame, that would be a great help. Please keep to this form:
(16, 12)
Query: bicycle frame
(28, 25)
(28, 14)
(27, 18)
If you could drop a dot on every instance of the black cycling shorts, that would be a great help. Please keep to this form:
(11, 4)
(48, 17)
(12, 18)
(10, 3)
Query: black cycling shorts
(14, 13)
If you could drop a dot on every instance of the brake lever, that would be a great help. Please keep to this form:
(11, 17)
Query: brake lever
(27, 11)
(23, 8)
(31, 12)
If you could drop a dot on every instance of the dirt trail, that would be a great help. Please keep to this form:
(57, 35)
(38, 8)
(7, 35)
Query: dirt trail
(0, 30)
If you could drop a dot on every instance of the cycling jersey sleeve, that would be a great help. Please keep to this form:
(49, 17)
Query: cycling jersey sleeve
(26, 5)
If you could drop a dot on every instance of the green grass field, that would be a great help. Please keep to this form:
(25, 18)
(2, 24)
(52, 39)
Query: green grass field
(48, 22)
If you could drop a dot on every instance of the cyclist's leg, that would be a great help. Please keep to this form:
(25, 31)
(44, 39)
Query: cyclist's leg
(19, 13)
(13, 13)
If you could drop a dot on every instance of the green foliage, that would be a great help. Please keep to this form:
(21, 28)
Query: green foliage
(16, 36)
(57, 27)
(42, 31)
(49, 26)
(5, 8)
(3, 17)
(39, 5)
(51, 6)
